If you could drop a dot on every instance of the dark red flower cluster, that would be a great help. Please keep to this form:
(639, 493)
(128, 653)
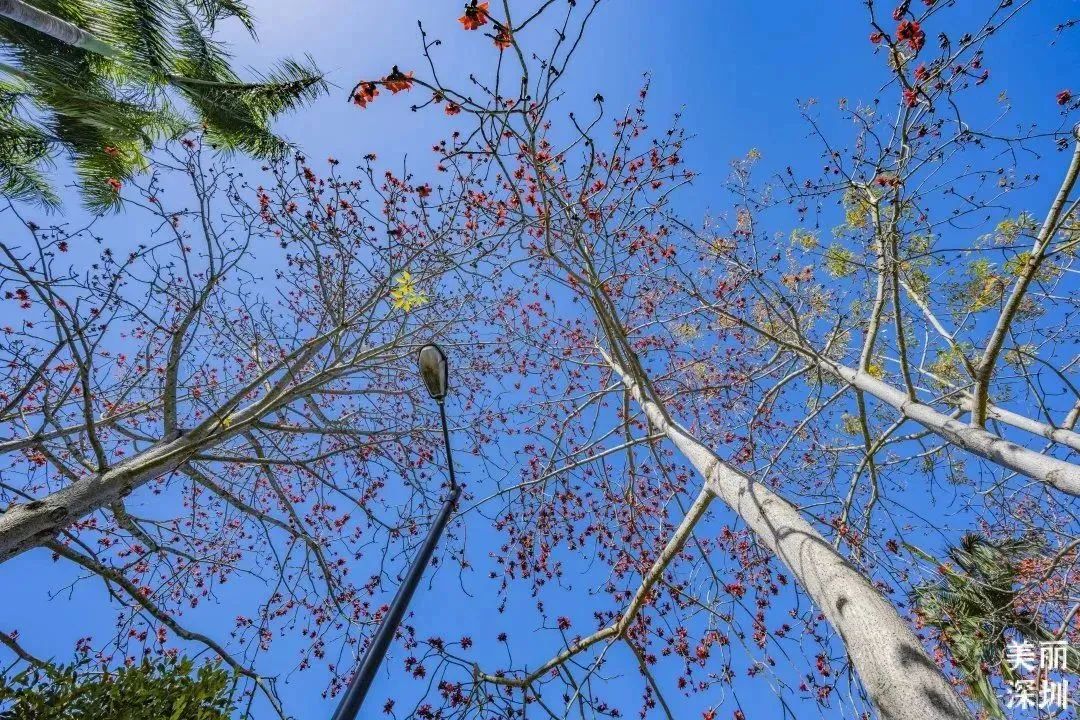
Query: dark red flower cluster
(1064, 97)
(909, 31)
(365, 93)
(503, 39)
(397, 81)
(475, 16)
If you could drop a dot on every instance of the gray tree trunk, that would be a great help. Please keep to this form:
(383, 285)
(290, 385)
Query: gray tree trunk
(901, 680)
(54, 27)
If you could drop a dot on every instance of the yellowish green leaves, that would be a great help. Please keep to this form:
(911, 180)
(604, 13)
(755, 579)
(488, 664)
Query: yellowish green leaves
(404, 295)
(1009, 230)
(806, 239)
(839, 262)
(856, 209)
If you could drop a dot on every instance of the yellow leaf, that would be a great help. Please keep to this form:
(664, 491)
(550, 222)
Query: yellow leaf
(404, 295)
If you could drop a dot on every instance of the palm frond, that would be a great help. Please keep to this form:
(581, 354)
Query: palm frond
(973, 606)
(106, 109)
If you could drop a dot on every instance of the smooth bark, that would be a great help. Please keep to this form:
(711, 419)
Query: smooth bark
(900, 679)
(54, 27)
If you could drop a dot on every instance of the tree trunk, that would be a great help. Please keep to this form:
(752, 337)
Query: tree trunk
(1062, 475)
(54, 27)
(901, 680)
(26, 526)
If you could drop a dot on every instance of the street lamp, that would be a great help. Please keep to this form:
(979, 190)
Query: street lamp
(435, 373)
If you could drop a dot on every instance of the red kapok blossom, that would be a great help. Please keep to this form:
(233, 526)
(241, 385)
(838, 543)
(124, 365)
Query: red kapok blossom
(365, 93)
(452, 108)
(111, 151)
(909, 31)
(475, 16)
(876, 37)
(1064, 97)
(397, 81)
(503, 39)
(114, 184)
(423, 191)
(911, 97)
(921, 73)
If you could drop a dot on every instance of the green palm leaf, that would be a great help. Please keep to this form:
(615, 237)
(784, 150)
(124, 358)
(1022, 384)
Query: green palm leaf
(99, 79)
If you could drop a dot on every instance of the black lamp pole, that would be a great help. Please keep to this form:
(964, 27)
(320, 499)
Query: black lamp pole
(433, 369)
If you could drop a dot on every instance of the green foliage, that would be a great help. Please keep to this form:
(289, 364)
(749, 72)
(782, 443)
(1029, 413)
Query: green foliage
(948, 366)
(168, 690)
(973, 605)
(106, 113)
(24, 151)
(857, 209)
(839, 262)
(1009, 230)
(984, 288)
(806, 239)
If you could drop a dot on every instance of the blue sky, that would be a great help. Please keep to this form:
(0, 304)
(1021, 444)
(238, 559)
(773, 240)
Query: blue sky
(734, 69)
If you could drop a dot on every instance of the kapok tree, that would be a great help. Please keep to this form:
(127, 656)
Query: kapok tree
(636, 395)
(921, 292)
(229, 396)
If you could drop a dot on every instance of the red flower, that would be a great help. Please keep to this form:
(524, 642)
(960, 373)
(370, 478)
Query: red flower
(452, 108)
(564, 623)
(911, 98)
(111, 151)
(503, 38)
(423, 191)
(365, 93)
(475, 16)
(921, 73)
(114, 184)
(1064, 97)
(910, 32)
(876, 37)
(397, 81)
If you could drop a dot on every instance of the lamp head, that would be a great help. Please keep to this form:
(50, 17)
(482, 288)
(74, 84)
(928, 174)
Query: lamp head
(434, 370)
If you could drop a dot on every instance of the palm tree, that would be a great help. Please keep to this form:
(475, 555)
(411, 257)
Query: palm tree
(99, 80)
(974, 604)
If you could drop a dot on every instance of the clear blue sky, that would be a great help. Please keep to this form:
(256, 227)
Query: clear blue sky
(735, 69)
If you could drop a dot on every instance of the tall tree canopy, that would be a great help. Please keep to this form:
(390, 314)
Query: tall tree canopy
(821, 444)
(170, 688)
(99, 81)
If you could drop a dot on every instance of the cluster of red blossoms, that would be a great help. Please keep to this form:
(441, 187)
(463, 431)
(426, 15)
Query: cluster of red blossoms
(395, 82)
(908, 31)
(476, 16)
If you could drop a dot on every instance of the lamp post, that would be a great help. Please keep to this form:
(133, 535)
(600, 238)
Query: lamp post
(435, 373)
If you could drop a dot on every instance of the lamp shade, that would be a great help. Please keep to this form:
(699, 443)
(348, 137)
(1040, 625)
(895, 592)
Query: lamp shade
(434, 370)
